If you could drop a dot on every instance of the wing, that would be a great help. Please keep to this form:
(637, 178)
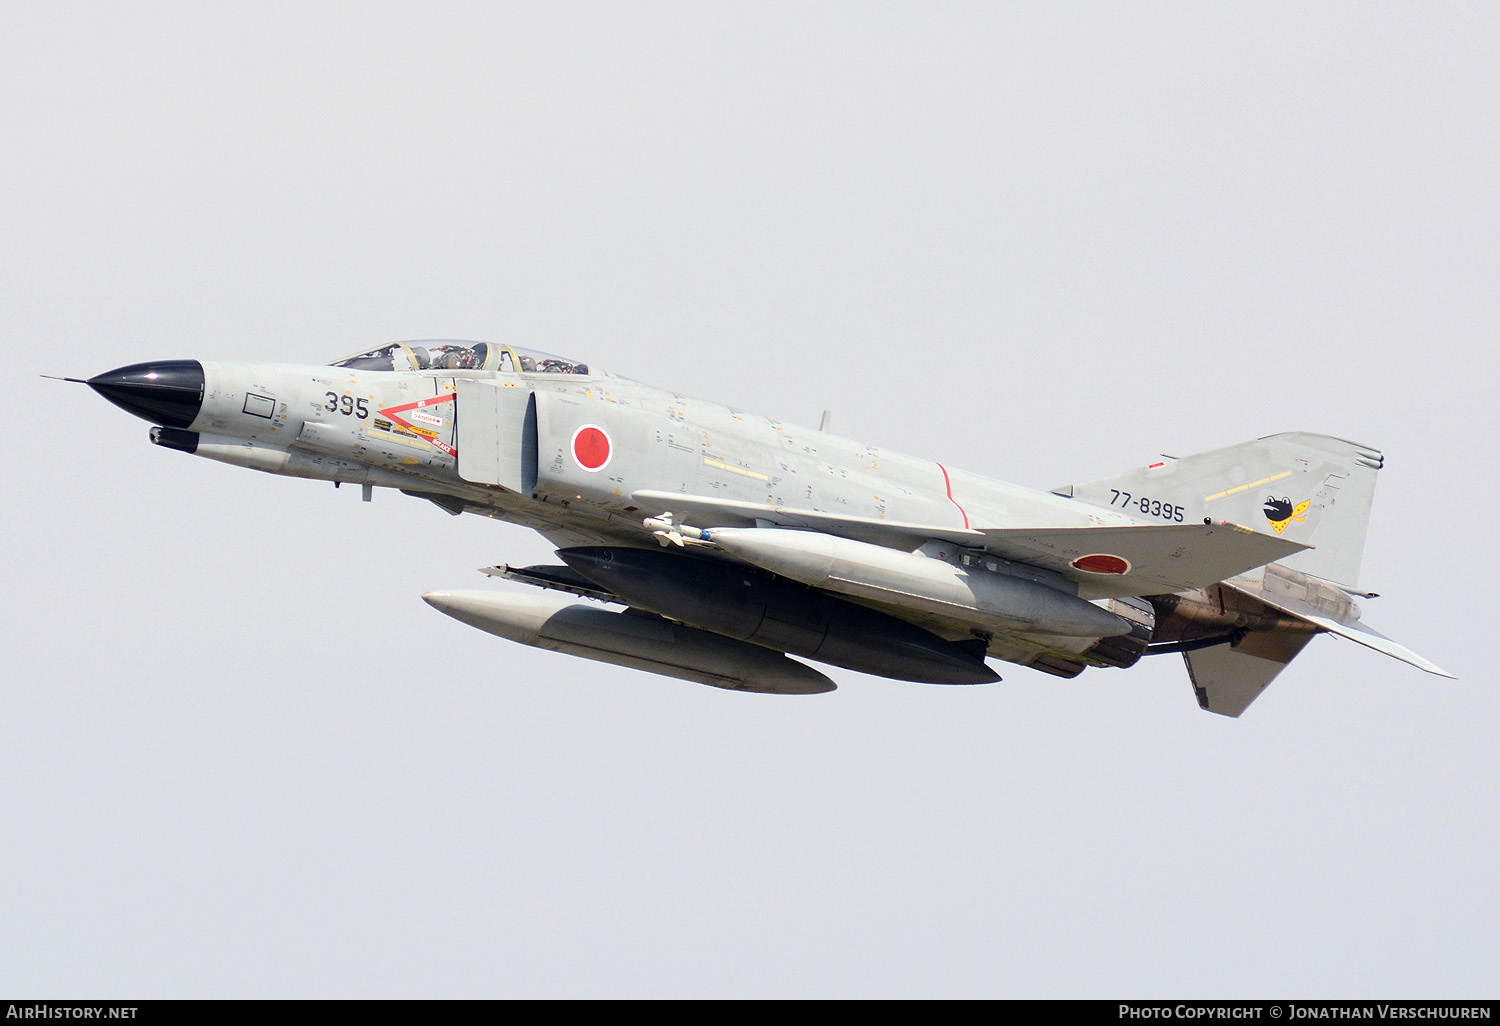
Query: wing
(1149, 559)
(1146, 560)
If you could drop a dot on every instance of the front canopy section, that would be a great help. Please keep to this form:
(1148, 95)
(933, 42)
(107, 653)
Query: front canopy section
(458, 354)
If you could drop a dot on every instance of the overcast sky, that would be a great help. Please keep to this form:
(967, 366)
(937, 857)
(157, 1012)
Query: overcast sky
(1044, 242)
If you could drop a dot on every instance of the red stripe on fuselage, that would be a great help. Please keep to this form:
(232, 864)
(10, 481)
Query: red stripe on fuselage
(948, 487)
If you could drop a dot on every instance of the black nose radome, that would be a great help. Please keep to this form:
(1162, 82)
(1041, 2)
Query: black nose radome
(167, 392)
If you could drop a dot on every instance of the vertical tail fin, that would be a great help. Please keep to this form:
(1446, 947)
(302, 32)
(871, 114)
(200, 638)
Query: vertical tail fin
(1313, 489)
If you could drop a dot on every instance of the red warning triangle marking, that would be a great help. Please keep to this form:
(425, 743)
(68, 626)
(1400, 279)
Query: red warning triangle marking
(393, 411)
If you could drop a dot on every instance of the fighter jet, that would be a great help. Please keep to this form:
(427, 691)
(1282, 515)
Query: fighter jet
(734, 542)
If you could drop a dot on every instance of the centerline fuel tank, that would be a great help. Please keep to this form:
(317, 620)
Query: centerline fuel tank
(744, 603)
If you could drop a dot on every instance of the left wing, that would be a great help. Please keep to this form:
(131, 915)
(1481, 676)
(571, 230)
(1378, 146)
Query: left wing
(1148, 559)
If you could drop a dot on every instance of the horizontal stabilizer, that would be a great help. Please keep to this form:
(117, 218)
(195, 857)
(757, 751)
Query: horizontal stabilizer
(1146, 560)
(1354, 630)
(1227, 678)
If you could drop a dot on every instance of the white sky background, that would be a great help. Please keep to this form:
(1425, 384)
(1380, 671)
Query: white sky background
(240, 757)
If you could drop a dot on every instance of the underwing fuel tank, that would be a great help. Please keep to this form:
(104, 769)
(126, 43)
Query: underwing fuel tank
(998, 601)
(558, 624)
(743, 603)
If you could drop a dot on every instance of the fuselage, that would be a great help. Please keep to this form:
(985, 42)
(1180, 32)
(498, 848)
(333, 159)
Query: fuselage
(585, 457)
(400, 429)
(736, 541)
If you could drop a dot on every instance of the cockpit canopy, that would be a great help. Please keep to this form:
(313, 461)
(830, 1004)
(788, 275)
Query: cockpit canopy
(457, 354)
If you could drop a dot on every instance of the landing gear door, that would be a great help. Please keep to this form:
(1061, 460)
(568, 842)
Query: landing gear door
(496, 435)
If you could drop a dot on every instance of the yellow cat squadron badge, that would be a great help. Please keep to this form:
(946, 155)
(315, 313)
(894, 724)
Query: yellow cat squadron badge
(1281, 513)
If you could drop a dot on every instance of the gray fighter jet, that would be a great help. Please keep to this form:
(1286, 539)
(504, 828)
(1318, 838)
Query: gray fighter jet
(734, 541)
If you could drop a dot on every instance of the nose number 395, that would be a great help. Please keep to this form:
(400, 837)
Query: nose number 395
(347, 405)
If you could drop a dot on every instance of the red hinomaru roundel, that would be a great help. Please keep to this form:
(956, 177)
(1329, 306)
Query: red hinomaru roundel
(592, 448)
(1102, 563)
